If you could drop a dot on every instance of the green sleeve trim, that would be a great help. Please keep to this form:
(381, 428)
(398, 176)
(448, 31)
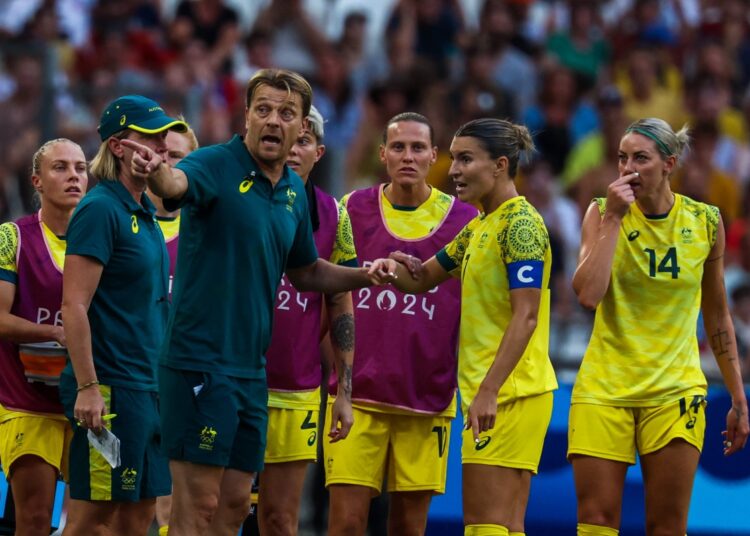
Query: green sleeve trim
(9, 276)
(445, 261)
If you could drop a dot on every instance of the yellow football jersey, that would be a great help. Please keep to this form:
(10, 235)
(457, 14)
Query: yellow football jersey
(643, 349)
(9, 246)
(497, 253)
(343, 248)
(170, 227)
(413, 223)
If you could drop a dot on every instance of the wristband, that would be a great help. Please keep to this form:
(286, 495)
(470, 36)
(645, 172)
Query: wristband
(87, 385)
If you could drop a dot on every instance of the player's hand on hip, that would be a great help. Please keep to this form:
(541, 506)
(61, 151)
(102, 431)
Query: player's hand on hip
(145, 160)
(412, 263)
(382, 271)
(620, 194)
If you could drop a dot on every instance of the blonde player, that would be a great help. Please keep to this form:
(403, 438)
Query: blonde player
(34, 433)
(293, 360)
(505, 375)
(650, 260)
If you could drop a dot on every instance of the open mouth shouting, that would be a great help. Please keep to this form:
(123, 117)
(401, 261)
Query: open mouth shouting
(270, 141)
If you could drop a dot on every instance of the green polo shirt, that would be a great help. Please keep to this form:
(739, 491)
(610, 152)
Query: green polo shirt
(238, 233)
(128, 312)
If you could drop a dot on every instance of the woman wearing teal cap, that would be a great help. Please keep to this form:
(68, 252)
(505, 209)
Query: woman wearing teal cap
(114, 310)
(650, 261)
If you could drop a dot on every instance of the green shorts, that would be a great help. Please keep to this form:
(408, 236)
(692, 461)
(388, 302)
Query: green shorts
(213, 419)
(143, 472)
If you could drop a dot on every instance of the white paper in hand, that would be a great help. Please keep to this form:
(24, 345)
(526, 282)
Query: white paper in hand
(108, 445)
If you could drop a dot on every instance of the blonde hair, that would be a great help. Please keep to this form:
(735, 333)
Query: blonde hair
(36, 160)
(105, 165)
(668, 142)
(315, 124)
(189, 134)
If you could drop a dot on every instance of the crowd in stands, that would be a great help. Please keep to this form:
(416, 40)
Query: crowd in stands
(576, 72)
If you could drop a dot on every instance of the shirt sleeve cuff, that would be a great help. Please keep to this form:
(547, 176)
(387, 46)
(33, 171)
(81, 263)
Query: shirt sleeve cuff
(445, 261)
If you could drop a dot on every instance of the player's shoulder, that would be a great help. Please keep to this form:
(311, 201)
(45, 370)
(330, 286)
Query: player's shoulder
(9, 233)
(519, 208)
(698, 209)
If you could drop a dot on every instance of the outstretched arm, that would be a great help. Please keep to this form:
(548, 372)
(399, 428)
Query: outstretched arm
(165, 181)
(329, 278)
(409, 274)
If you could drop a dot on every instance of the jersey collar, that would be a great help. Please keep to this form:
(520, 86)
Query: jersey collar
(238, 148)
(118, 189)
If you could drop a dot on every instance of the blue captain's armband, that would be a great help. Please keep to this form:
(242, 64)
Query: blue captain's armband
(525, 274)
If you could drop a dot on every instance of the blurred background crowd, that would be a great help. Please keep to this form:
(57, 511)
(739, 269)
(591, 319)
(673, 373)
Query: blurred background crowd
(576, 72)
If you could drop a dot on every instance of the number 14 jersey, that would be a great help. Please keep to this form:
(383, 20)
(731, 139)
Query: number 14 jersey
(644, 349)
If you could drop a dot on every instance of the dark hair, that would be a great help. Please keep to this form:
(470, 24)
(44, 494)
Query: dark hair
(406, 117)
(281, 79)
(499, 137)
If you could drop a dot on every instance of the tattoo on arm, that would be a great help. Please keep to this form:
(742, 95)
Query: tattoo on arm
(738, 411)
(345, 380)
(720, 344)
(342, 332)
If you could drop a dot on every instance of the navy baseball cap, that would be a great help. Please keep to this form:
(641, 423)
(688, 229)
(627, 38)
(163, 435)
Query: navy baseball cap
(136, 113)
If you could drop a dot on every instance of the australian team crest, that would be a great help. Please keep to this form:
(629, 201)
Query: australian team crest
(291, 195)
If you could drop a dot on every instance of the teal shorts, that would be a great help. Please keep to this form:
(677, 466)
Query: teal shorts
(213, 419)
(143, 472)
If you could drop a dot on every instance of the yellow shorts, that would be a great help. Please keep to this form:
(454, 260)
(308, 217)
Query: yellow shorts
(35, 435)
(292, 435)
(617, 433)
(517, 439)
(413, 448)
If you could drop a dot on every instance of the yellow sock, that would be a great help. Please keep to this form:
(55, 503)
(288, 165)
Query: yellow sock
(596, 530)
(516, 534)
(163, 531)
(485, 530)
